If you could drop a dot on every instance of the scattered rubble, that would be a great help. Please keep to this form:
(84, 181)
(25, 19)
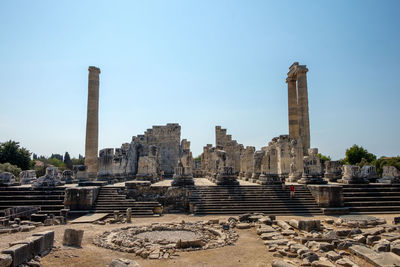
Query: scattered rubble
(327, 243)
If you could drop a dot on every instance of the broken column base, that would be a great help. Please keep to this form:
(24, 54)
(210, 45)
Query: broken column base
(223, 179)
(294, 178)
(147, 177)
(268, 179)
(182, 180)
(312, 180)
(353, 181)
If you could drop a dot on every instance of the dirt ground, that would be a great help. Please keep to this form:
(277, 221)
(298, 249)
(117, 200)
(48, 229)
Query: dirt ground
(247, 251)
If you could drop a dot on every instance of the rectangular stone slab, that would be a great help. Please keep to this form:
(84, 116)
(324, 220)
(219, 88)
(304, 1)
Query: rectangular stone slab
(376, 259)
(19, 253)
(48, 241)
(89, 218)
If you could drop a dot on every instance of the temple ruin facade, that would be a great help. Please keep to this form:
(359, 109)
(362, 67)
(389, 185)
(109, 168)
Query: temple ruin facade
(156, 151)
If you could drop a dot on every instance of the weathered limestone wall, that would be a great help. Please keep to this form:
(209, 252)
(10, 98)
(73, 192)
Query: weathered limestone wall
(277, 156)
(92, 122)
(231, 148)
(327, 196)
(247, 162)
(145, 157)
(81, 198)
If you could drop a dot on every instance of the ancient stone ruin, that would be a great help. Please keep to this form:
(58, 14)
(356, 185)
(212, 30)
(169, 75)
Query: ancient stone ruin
(49, 180)
(7, 178)
(27, 177)
(390, 175)
(158, 150)
(92, 122)
(163, 241)
(184, 171)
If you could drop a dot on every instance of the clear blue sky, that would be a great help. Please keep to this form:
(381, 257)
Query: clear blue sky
(200, 64)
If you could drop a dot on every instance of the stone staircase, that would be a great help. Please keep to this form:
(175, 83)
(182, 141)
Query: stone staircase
(268, 199)
(372, 198)
(113, 198)
(50, 201)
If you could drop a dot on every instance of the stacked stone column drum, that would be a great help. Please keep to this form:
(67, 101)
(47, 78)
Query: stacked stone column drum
(299, 123)
(92, 122)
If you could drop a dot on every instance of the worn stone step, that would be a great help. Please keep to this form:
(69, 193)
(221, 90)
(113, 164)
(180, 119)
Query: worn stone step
(372, 203)
(371, 189)
(371, 194)
(371, 198)
(34, 197)
(385, 208)
(274, 212)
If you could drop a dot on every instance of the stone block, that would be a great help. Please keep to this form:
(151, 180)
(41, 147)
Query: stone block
(19, 253)
(333, 256)
(306, 225)
(345, 262)
(382, 246)
(280, 263)
(372, 238)
(376, 259)
(327, 196)
(38, 217)
(123, 263)
(48, 241)
(243, 226)
(189, 244)
(81, 198)
(322, 263)
(73, 237)
(35, 244)
(5, 260)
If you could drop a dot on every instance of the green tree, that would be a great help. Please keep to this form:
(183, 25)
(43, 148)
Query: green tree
(80, 161)
(56, 163)
(7, 167)
(324, 158)
(68, 161)
(386, 161)
(356, 154)
(12, 153)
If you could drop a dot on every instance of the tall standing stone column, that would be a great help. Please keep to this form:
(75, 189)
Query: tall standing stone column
(293, 108)
(302, 100)
(92, 123)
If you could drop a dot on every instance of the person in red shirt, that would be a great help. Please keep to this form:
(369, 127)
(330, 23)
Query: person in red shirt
(291, 191)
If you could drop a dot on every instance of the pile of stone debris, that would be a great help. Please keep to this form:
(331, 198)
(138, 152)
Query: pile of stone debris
(341, 242)
(163, 241)
(29, 251)
(14, 225)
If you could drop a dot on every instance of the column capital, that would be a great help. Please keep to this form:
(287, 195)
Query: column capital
(94, 69)
(290, 79)
(301, 69)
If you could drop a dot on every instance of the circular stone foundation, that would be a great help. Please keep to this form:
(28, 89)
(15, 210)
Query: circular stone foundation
(158, 241)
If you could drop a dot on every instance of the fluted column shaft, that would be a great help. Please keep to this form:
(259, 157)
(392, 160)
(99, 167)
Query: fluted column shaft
(92, 123)
(293, 108)
(302, 100)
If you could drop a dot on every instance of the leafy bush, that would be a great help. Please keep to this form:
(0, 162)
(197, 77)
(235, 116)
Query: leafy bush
(356, 154)
(7, 167)
(386, 161)
(324, 158)
(12, 153)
